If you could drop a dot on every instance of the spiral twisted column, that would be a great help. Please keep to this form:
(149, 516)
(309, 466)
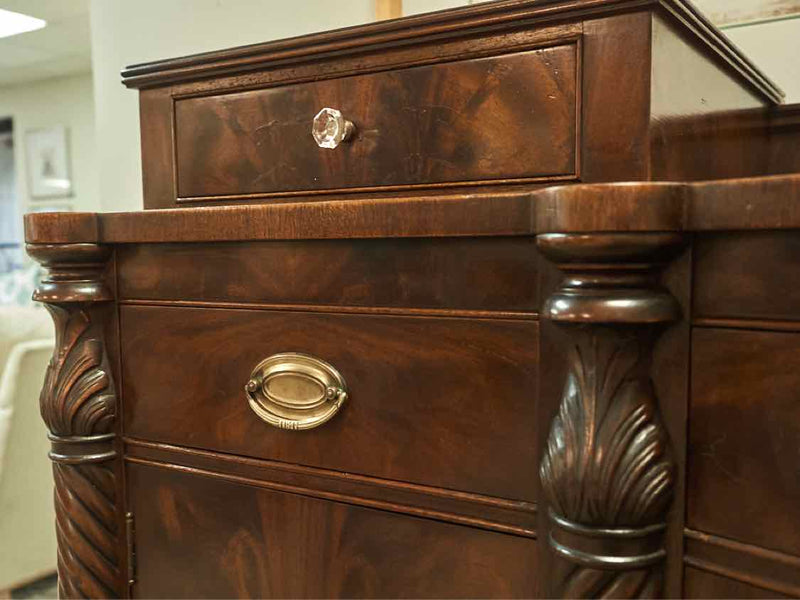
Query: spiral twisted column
(78, 405)
(607, 472)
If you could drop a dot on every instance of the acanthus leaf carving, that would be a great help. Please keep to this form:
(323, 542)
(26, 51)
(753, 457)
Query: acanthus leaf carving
(78, 404)
(74, 399)
(607, 472)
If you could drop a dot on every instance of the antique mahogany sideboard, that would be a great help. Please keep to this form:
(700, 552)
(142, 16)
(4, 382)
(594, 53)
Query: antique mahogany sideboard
(494, 302)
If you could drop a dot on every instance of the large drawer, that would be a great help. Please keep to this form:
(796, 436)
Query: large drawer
(202, 537)
(444, 402)
(508, 117)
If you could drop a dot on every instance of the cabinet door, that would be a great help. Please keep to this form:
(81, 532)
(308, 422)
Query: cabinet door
(200, 536)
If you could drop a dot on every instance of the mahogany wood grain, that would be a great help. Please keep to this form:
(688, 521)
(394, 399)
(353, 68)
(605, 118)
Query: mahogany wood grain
(614, 142)
(500, 118)
(229, 155)
(729, 284)
(701, 583)
(441, 402)
(737, 204)
(455, 273)
(157, 134)
(767, 570)
(508, 516)
(472, 215)
(744, 424)
(746, 203)
(201, 537)
(728, 143)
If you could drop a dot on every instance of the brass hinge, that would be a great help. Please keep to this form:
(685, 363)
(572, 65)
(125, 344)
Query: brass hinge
(131, 558)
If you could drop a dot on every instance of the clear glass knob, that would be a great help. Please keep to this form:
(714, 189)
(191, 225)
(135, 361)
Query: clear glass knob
(330, 128)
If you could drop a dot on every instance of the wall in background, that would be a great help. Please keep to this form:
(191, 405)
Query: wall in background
(125, 33)
(775, 47)
(768, 31)
(64, 101)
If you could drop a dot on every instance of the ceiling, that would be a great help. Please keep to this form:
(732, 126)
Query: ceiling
(63, 47)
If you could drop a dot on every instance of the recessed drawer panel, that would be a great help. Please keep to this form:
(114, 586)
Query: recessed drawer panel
(493, 274)
(200, 537)
(744, 436)
(445, 402)
(506, 117)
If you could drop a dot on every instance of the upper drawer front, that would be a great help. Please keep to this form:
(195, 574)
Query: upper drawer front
(508, 117)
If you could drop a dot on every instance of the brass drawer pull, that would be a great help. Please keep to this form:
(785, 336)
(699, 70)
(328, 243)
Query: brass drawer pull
(330, 128)
(295, 391)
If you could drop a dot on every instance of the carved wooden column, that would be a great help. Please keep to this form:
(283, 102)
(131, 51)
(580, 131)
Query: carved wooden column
(78, 404)
(607, 472)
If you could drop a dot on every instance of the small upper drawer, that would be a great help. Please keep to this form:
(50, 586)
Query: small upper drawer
(508, 117)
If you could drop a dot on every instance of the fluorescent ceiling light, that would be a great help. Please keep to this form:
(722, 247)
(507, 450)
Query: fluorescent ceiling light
(12, 23)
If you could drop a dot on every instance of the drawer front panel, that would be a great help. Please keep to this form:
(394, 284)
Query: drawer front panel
(199, 537)
(751, 275)
(505, 117)
(443, 402)
(744, 435)
(702, 584)
(455, 273)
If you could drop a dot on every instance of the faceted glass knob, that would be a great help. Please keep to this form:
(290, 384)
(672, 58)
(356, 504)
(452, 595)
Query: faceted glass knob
(330, 128)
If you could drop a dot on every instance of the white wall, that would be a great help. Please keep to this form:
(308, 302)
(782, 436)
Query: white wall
(125, 32)
(775, 48)
(64, 101)
(773, 44)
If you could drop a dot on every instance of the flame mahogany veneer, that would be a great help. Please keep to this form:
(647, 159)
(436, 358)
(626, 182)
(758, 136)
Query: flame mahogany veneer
(554, 267)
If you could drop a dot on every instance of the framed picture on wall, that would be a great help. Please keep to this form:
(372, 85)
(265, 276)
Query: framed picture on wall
(47, 158)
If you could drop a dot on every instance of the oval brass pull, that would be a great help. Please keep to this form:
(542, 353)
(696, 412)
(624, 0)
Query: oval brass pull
(295, 391)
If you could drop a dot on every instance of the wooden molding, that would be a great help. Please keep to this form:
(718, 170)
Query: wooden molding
(433, 28)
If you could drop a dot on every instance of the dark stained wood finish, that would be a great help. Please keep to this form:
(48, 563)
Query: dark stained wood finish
(730, 285)
(728, 143)
(607, 471)
(507, 516)
(432, 401)
(158, 146)
(475, 215)
(429, 27)
(198, 536)
(406, 260)
(500, 118)
(489, 274)
(643, 55)
(614, 142)
(751, 203)
(703, 584)
(748, 565)
(744, 425)
(79, 405)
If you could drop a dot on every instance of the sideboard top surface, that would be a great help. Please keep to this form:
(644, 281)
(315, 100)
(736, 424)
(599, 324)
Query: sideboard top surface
(436, 27)
(736, 204)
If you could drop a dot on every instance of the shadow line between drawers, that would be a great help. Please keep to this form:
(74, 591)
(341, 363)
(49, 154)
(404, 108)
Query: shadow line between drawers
(329, 308)
(464, 508)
